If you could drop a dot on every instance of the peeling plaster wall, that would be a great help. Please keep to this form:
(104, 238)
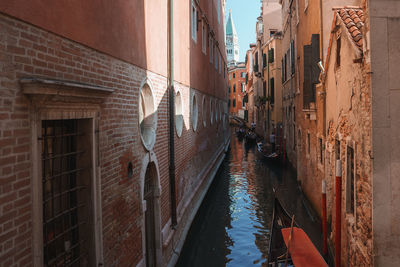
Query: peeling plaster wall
(348, 105)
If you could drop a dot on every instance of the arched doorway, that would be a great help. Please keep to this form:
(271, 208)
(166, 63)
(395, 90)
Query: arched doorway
(151, 218)
(149, 214)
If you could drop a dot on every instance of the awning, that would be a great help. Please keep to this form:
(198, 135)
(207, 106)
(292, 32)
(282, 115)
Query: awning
(302, 250)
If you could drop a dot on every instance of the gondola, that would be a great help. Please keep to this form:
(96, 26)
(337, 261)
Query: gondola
(290, 244)
(267, 154)
(277, 248)
(250, 137)
(241, 132)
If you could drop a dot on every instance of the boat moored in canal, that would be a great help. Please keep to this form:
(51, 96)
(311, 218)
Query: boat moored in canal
(250, 137)
(266, 151)
(289, 245)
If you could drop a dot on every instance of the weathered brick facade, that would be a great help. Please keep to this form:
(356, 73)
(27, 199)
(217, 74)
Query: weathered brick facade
(349, 120)
(102, 92)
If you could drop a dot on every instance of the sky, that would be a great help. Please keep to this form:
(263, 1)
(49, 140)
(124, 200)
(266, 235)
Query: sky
(244, 13)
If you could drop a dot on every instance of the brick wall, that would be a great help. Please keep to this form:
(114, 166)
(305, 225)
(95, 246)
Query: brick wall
(27, 51)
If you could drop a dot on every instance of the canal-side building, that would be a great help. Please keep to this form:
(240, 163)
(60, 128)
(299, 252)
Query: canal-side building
(250, 84)
(271, 110)
(272, 85)
(258, 80)
(237, 89)
(362, 127)
(110, 130)
(309, 170)
(289, 79)
(346, 91)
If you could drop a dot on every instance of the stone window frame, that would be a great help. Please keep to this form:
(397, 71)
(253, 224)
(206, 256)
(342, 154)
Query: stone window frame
(194, 26)
(219, 11)
(52, 99)
(352, 144)
(37, 188)
(203, 38)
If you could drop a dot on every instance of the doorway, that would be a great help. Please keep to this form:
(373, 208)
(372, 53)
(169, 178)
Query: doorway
(150, 222)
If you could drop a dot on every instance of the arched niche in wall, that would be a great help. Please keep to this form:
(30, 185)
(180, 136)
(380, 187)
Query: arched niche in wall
(211, 111)
(178, 113)
(204, 109)
(147, 115)
(216, 111)
(195, 112)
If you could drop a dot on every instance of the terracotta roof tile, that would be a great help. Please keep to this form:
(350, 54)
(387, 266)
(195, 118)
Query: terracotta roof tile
(353, 19)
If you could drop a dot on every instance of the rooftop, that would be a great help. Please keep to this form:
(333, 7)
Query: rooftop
(353, 19)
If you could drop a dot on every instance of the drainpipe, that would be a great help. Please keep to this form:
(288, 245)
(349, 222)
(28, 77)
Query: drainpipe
(338, 225)
(322, 60)
(171, 114)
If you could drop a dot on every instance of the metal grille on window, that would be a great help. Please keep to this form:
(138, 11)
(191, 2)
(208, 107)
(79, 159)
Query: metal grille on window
(63, 244)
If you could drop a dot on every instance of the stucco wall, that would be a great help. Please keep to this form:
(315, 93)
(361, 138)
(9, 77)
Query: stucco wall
(348, 118)
(385, 62)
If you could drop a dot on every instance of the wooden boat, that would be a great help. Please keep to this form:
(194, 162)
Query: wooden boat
(240, 133)
(251, 137)
(267, 153)
(277, 248)
(287, 237)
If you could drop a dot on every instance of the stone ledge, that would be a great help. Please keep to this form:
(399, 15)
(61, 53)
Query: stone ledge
(61, 88)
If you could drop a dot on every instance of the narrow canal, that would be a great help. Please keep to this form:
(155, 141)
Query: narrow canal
(232, 225)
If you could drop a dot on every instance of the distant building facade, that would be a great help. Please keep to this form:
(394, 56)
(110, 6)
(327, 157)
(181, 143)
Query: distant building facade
(237, 89)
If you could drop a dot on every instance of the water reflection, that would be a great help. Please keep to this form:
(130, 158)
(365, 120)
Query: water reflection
(232, 225)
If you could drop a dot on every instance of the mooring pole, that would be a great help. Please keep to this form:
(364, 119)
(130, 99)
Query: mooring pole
(338, 234)
(324, 227)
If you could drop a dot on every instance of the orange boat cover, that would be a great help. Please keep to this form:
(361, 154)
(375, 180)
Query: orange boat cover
(302, 250)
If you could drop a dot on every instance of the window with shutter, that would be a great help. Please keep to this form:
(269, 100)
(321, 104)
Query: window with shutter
(264, 60)
(194, 22)
(272, 91)
(256, 62)
(271, 55)
(293, 60)
(264, 88)
(307, 87)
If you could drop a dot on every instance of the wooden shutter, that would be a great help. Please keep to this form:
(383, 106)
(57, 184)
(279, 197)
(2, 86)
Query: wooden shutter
(307, 87)
(272, 91)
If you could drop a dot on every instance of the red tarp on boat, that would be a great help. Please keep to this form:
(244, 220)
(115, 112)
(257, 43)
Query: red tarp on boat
(301, 249)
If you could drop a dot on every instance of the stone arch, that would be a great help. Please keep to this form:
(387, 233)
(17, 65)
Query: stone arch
(150, 168)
